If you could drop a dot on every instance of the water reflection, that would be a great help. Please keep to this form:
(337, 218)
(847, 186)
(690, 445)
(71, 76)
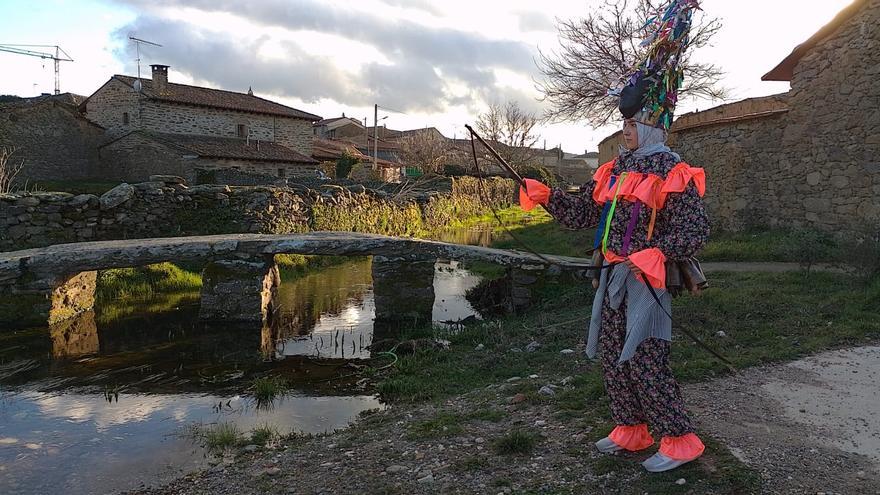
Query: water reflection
(59, 434)
(78, 443)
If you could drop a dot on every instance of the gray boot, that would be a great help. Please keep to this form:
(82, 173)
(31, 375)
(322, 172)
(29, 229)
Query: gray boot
(607, 446)
(659, 463)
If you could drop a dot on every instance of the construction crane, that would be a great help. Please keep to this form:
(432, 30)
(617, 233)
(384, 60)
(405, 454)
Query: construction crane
(59, 56)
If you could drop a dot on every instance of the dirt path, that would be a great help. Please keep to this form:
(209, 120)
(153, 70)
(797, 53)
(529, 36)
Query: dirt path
(810, 426)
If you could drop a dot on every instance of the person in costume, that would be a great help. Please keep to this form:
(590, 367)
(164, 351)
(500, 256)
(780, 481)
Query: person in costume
(647, 206)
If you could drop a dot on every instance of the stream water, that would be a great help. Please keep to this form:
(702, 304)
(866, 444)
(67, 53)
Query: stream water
(103, 402)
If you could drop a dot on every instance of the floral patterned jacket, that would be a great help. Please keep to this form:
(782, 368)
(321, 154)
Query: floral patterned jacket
(666, 194)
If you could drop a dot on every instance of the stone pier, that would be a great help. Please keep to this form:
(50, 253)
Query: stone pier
(239, 290)
(72, 297)
(403, 290)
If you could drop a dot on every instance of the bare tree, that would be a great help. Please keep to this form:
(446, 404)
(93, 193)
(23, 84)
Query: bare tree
(597, 50)
(424, 149)
(511, 131)
(8, 169)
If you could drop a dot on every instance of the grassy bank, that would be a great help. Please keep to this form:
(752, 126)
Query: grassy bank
(762, 318)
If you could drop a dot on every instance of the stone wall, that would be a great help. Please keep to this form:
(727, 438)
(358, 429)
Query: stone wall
(52, 139)
(164, 209)
(833, 132)
(743, 172)
(135, 157)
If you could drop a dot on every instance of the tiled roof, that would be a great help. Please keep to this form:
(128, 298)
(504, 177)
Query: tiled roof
(230, 148)
(216, 98)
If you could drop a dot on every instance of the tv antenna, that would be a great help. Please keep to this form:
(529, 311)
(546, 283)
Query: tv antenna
(137, 44)
(59, 56)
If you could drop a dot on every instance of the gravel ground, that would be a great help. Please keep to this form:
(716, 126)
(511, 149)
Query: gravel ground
(380, 455)
(810, 426)
(806, 427)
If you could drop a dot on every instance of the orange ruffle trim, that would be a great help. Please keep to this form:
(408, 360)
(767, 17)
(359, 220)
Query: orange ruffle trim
(652, 262)
(632, 438)
(684, 448)
(535, 193)
(650, 189)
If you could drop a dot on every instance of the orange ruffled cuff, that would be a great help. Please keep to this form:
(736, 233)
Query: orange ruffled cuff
(652, 263)
(684, 448)
(632, 438)
(534, 194)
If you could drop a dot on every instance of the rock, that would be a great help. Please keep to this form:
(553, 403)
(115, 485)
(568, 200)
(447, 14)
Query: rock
(395, 468)
(720, 333)
(272, 471)
(479, 347)
(540, 423)
(566, 352)
(545, 390)
(251, 448)
(565, 381)
(168, 179)
(680, 481)
(532, 377)
(427, 479)
(533, 346)
(513, 379)
(517, 399)
(27, 201)
(116, 196)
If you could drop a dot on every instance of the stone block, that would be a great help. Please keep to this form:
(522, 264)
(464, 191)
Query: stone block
(239, 290)
(403, 290)
(116, 196)
(73, 296)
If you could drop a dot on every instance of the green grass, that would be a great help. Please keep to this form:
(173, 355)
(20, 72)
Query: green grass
(441, 425)
(146, 281)
(267, 389)
(222, 436)
(516, 442)
(263, 434)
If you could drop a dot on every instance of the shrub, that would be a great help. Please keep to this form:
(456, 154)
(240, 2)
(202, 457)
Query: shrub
(452, 170)
(809, 246)
(539, 173)
(344, 164)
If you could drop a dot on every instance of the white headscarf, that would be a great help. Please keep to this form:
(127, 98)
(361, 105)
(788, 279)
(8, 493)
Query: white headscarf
(652, 140)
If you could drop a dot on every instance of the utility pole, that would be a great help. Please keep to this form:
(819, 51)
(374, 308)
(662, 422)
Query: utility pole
(375, 135)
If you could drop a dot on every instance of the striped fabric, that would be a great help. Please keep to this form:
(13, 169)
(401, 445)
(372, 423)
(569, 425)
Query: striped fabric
(644, 318)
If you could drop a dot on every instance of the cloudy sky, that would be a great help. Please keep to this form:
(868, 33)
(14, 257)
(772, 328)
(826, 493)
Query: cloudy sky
(425, 62)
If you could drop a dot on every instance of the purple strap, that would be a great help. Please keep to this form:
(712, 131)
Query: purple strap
(633, 219)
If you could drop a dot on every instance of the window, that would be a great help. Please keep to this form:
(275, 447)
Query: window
(281, 172)
(241, 130)
(124, 118)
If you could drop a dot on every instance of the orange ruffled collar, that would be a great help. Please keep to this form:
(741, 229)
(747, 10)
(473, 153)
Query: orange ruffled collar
(650, 189)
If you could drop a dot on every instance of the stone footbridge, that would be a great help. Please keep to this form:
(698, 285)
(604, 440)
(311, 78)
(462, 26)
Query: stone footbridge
(240, 277)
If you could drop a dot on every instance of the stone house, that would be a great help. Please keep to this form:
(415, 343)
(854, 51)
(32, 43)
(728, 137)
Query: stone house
(52, 140)
(810, 157)
(339, 127)
(158, 127)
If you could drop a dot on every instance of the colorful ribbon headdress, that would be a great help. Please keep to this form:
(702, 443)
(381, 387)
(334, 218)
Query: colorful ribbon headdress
(649, 94)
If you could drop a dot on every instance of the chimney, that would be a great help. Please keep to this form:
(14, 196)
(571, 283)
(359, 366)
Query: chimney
(160, 78)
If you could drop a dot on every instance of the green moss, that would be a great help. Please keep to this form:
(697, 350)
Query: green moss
(517, 442)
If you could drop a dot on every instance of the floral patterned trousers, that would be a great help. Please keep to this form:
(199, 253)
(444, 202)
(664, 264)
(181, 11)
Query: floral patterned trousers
(643, 389)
